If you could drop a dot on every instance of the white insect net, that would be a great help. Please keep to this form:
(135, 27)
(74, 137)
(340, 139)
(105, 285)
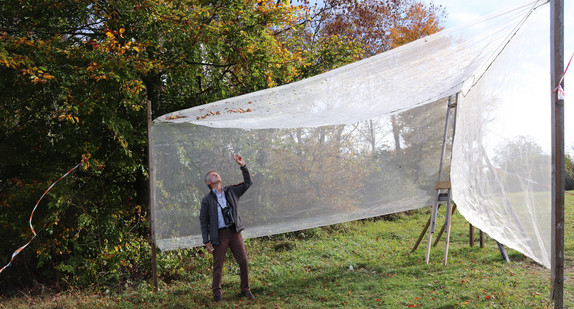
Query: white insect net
(501, 167)
(365, 140)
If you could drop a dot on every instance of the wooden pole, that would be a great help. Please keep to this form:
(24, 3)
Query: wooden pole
(471, 234)
(557, 112)
(151, 199)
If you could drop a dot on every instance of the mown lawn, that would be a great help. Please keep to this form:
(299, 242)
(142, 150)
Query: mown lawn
(363, 264)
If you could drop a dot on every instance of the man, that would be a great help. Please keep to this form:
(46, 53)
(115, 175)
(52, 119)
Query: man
(221, 227)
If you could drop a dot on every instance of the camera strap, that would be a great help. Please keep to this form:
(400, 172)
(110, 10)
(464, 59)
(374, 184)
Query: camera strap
(222, 208)
(218, 204)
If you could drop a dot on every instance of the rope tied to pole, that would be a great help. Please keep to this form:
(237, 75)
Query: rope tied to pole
(559, 89)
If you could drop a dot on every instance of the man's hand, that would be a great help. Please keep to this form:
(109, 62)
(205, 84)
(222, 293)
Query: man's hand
(239, 160)
(209, 247)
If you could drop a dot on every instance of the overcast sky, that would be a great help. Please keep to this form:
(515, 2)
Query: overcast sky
(462, 11)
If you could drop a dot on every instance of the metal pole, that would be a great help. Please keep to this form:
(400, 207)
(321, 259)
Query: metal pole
(151, 199)
(421, 236)
(503, 252)
(443, 228)
(557, 69)
(447, 223)
(449, 213)
(436, 202)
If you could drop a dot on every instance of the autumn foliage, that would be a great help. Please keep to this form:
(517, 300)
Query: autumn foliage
(75, 78)
(378, 25)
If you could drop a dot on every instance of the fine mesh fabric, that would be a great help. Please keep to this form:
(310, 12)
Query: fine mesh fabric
(501, 168)
(363, 140)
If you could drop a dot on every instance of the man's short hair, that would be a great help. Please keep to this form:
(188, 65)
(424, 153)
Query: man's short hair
(207, 177)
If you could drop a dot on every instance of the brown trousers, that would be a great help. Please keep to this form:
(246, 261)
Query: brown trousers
(234, 241)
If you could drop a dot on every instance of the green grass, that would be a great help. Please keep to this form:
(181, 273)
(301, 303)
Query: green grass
(311, 269)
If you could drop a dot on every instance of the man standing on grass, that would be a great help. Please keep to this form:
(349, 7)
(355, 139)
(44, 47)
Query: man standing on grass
(221, 227)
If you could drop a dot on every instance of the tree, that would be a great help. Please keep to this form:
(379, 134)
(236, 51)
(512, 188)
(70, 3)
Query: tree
(522, 158)
(75, 78)
(378, 25)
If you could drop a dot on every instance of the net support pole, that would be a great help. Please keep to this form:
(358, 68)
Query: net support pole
(447, 224)
(503, 252)
(151, 199)
(557, 128)
(437, 196)
(423, 233)
(443, 228)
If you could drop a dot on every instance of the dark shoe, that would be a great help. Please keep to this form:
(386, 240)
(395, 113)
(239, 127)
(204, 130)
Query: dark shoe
(216, 298)
(248, 295)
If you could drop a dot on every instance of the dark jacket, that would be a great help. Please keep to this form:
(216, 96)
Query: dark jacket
(208, 214)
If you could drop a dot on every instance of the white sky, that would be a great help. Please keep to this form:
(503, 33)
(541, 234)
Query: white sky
(462, 11)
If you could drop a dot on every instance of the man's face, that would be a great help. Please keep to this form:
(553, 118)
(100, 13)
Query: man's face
(213, 178)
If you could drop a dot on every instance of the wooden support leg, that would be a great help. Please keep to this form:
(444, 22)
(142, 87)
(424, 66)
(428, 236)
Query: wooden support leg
(421, 236)
(481, 239)
(471, 235)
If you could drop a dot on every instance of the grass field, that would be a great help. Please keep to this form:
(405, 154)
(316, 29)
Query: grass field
(312, 269)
